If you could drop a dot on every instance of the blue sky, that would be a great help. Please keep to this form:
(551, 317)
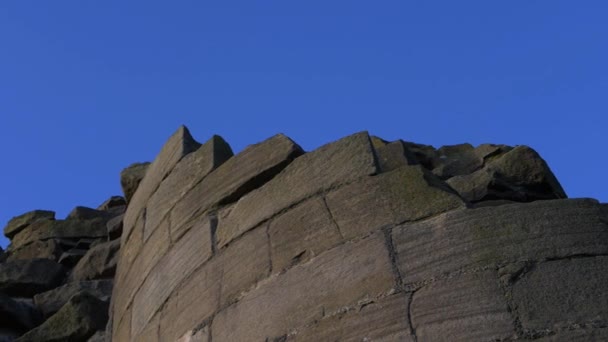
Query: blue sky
(89, 87)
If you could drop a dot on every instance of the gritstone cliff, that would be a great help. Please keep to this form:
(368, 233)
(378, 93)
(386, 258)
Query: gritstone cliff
(359, 240)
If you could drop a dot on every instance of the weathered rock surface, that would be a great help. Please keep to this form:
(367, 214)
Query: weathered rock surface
(77, 320)
(130, 178)
(17, 316)
(51, 301)
(25, 278)
(360, 240)
(99, 262)
(18, 223)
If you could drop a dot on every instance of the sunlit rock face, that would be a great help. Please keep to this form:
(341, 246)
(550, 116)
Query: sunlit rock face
(361, 239)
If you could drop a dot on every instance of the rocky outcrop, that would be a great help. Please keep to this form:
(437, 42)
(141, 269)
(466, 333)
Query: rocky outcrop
(56, 278)
(360, 239)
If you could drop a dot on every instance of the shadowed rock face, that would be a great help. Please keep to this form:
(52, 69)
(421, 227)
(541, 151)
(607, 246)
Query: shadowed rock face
(361, 239)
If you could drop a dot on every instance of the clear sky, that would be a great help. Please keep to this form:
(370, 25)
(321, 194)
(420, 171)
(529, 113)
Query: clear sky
(89, 87)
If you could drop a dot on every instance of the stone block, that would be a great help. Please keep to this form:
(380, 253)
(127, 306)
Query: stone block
(244, 172)
(394, 155)
(195, 300)
(130, 178)
(470, 307)
(488, 236)
(51, 301)
(577, 335)
(99, 262)
(556, 294)
(406, 194)
(60, 229)
(48, 249)
(337, 278)
(328, 166)
(302, 233)
(18, 223)
(177, 264)
(179, 145)
(25, 278)
(385, 319)
(186, 174)
(245, 262)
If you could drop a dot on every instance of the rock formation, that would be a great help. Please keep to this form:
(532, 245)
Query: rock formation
(359, 240)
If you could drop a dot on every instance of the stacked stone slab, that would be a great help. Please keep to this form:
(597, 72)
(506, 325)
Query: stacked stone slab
(56, 276)
(359, 240)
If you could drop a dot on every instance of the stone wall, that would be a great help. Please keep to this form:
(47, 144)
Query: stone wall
(359, 240)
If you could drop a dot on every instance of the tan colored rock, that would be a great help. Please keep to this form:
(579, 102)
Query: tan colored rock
(179, 145)
(196, 336)
(302, 233)
(394, 155)
(60, 229)
(244, 172)
(475, 238)
(151, 332)
(18, 223)
(337, 278)
(122, 328)
(186, 174)
(328, 166)
(177, 264)
(383, 320)
(49, 249)
(560, 293)
(99, 262)
(408, 193)
(130, 178)
(470, 307)
(194, 301)
(150, 254)
(245, 262)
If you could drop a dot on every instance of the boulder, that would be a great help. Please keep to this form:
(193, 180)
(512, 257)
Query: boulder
(394, 155)
(72, 256)
(17, 316)
(51, 301)
(99, 262)
(519, 175)
(85, 213)
(112, 202)
(73, 229)
(49, 249)
(130, 178)
(18, 223)
(25, 278)
(77, 320)
(114, 227)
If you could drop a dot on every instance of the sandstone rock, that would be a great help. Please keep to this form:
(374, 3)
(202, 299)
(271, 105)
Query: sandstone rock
(578, 335)
(77, 320)
(560, 293)
(112, 202)
(331, 165)
(248, 170)
(425, 154)
(337, 278)
(406, 194)
(302, 233)
(457, 160)
(18, 223)
(71, 257)
(51, 301)
(49, 249)
(179, 145)
(187, 173)
(25, 278)
(84, 213)
(196, 336)
(485, 237)
(519, 175)
(130, 178)
(61, 229)
(114, 227)
(385, 319)
(394, 155)
(17, 316)
(187, 254)
(99, 336)
(470, 307)
(99, 262)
